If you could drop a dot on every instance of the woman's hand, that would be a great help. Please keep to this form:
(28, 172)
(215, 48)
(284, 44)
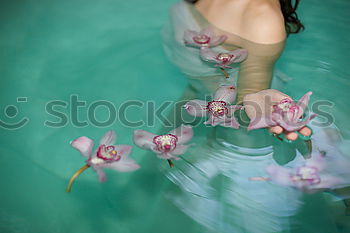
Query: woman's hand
(259, 107)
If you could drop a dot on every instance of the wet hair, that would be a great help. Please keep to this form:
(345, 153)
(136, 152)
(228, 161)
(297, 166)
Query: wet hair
(291, 20)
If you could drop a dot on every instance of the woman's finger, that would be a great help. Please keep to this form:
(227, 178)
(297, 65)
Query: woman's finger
(306, 131)
(291, 136)
(276, 129)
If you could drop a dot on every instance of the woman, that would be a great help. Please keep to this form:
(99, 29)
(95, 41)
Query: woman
(214, 178)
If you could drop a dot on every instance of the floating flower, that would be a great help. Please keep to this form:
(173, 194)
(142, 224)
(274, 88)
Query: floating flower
(306, 177)
(107, 155)
(219, 110)
(287, 113)
(303, 177)
(309, 176)
(203, 38)
(224, 59)
(167, 146)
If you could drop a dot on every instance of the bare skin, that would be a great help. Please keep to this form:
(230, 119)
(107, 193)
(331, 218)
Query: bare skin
(259, 21)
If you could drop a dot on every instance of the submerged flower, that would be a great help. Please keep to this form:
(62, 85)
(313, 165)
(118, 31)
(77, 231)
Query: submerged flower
(306, 175)
(167, 146)
(310, 176)
(107, 155)
(224, 59)
(219, 110)
(303, 177)
(326, 170)
(203, 38)
(287, 113)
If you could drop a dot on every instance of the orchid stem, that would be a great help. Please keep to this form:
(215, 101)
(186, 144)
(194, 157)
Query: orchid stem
(225, 73)
(76, 174)
(171, 164)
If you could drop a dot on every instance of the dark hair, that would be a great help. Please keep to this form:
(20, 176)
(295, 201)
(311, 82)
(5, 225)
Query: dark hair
(291, 20)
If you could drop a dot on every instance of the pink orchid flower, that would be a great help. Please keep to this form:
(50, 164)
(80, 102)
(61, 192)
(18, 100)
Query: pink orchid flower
(219, 110)
(167, 146)
(224, 59)
(287, 113)
(203, 38)
(308, 177)
(107, 155)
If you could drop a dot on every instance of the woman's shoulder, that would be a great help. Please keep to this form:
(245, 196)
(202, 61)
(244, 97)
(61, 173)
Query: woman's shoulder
(263, 22)
(260, 21)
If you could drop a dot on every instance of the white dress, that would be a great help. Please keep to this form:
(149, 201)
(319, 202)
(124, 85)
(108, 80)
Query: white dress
(212, 181)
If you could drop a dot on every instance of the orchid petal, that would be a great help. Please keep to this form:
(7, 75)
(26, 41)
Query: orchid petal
(217, 40)
(302, 105)
(208, 55)
(125, 164)
(164, 156)
(184, 133)
(155, 150)
(214, 121)
(144, 139)
(231, 121)
(328, 181)
(101, 174)
(196, 107)
(279, 174)
(225, 66)
(260, 122)
(84, 145)
(167, 156)
(180, 149)
(108, 138)
(225, 93)
(317, 161)
(294, 115)
(208, 31)
(304, 101)
(123, 150)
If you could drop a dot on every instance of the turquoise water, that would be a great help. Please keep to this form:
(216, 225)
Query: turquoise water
(111, 51)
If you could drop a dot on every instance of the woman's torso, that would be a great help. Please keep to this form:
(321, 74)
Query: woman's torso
(204, 79)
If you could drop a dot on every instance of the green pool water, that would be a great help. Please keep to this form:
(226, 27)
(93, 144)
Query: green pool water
(111, 52)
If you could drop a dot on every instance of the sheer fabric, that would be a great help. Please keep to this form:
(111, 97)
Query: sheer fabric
(253, 75)
(213, 177)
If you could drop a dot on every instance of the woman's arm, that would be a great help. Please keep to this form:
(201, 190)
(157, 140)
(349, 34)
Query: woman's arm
(263, 28)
